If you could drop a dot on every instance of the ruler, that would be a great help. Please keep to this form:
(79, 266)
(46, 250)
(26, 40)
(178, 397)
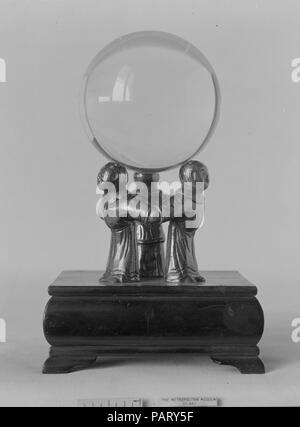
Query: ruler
(110, 403)
(196, 401)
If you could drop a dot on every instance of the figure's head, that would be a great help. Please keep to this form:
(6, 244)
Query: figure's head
(194, 171)
(146, 177)
(112, 172)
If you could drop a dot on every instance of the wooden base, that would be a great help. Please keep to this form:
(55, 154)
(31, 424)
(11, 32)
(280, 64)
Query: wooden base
(85, 320)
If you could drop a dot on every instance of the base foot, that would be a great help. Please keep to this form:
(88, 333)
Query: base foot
(251, 365)
(66, 365)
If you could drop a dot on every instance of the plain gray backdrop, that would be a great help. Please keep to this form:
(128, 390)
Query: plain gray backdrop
(48, 172)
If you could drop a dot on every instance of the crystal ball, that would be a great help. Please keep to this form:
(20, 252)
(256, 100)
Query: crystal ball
(150, 100)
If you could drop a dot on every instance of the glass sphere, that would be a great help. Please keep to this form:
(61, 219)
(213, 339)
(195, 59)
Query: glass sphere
(150, 100)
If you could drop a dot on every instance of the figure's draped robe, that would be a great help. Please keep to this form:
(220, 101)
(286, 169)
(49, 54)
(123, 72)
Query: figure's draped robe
(181, 262)
(122, 265)
(151, 253)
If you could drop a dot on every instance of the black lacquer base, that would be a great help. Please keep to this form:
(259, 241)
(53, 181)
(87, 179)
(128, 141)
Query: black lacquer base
(86, 321)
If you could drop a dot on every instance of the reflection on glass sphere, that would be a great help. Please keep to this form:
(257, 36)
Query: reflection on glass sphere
(150, 100)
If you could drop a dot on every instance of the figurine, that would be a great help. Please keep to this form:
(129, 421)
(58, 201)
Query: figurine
(137, 238)
(181, 263)
(122, 265)
(150, 237)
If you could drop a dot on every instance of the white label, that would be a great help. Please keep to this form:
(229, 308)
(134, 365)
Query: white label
(183, 401)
